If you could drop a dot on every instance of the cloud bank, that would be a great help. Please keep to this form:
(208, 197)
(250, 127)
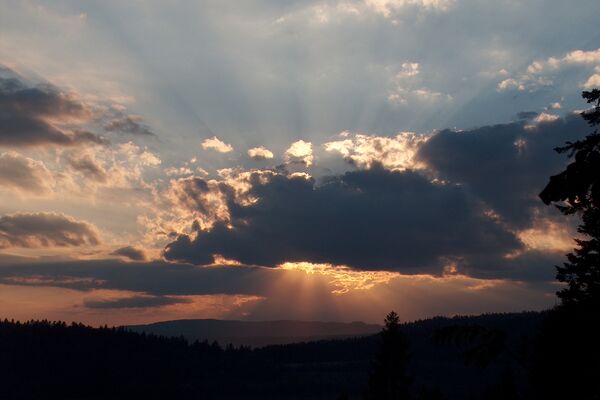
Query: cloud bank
(45, 229)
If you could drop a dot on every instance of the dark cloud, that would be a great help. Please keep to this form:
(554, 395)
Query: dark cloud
(154, 283)
(282, 293)
(128, 124)
(45, 230)
(38, 115)
(529, 266)
(504, 165)
(371, 219)
(23, 174)
(135, 302)
(131, 253)
(152, 278)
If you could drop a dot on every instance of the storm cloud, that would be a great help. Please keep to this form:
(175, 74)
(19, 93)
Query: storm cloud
(369, 219)
(152, 278)
(505, 165)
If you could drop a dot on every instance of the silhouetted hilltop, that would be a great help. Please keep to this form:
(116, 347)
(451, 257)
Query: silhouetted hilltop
(42, 359)
(257, 333)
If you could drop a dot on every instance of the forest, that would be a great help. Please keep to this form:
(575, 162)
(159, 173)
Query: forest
(41, 359)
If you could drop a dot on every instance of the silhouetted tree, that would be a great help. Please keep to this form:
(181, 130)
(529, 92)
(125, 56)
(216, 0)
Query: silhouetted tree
(577, 190)
(566, 362)
(388, 379)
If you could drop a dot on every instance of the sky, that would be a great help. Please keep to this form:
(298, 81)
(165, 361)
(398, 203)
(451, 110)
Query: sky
(260, 160)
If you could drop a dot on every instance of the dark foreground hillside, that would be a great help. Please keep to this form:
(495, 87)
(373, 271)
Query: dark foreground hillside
(40, 360)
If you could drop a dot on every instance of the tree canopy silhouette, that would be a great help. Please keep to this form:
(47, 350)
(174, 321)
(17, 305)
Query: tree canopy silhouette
(567, 354)
(388, 380)
(577, 190)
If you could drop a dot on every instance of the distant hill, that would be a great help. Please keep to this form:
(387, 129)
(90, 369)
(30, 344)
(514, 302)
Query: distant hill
(257, 333)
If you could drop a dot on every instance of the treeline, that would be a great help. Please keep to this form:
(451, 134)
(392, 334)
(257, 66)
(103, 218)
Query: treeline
(42, 359)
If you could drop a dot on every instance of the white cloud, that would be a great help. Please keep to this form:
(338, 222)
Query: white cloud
(388, 7)
(300, 152)
(545, 117)
(260, 153)
(536, 73)
(583, 57)
(395, 153)
(408, 69)
(216, 144)
(555, 106)
(541, 118)
(592, 82)
(510, 83)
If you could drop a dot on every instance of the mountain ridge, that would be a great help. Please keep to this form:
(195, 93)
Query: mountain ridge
(256, 333)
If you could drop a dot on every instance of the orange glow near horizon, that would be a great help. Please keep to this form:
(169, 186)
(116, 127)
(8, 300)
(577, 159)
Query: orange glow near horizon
(343, 278)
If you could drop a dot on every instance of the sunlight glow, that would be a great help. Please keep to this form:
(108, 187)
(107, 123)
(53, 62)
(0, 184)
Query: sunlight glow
(343, 278)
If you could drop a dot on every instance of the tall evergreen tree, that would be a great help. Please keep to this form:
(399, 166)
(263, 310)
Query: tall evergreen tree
(388, 380)
(566, 362)
(576, 190)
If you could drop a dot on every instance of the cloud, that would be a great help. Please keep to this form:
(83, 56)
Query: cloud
(87, 166)
(505, 165)
(135, 302)
(181, 171)
(40, 115)
(24, 174)
(538, 72)
(555, 106)
(408, 85)
(545, 117)
(319, 293)
(300, 152)
(370, 219)
(260, 153)
(208, 198)
(119, 166)
(131, 124)
(216, 144)
(593, 81)
(396, 153)
(45, 229)
(151, 278)
(388, 7)
(130, 253)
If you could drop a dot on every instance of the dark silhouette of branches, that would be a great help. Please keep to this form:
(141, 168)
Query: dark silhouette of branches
(567, 352)
(576, 190)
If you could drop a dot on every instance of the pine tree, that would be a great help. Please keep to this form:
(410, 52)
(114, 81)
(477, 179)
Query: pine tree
(566, 363)
(388, 380)
(576, 190)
